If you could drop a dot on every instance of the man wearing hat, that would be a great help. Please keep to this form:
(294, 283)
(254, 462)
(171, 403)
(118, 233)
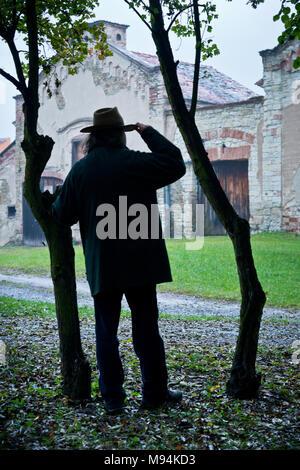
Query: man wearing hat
(94, 193)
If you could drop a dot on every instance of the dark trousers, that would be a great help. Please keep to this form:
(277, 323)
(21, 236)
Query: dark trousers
(147, 343)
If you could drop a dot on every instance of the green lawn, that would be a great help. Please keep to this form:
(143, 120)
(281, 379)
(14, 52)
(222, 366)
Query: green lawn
(209, 272)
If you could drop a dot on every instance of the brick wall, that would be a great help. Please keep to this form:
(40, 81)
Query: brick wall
(229, 133)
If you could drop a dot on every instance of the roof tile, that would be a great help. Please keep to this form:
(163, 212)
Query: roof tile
(214, 88)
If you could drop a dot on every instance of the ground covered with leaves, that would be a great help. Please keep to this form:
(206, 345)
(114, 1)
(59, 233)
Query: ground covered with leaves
(35, 415)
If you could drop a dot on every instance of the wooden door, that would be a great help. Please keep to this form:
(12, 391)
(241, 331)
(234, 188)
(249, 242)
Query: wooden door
(233, 176)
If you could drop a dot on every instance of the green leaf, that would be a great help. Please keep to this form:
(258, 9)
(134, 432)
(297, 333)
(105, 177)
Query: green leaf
(296, 63)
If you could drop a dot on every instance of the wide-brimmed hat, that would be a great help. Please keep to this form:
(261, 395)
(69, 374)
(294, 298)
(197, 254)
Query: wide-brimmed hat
(108, 118)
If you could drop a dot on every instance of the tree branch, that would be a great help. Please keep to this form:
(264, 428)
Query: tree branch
(14, 15)
(197, 59)
(147, 7)
(18, 65)
(8, 32)
(166, 59)
(138, 13)
(12, 79)
(179, 13)
(32, 104)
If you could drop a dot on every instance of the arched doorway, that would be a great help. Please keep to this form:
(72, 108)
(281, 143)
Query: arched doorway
(77, 149)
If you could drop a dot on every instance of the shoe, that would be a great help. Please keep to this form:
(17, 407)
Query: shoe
(113, 407)
(173, 396)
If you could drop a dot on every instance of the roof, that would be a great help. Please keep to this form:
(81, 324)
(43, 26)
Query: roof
(4, 143)
(279, 47)
(147, 63)
(7, 148)
(109, 22)
(6, 151)
(214, 87)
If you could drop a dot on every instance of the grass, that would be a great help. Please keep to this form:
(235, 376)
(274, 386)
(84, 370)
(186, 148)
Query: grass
(35, 415)
(209, 272)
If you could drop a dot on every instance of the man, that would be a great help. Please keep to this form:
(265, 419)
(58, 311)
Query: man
(116, 182)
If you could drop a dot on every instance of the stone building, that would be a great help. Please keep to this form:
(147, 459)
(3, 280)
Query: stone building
(252, 141)
(7, 191)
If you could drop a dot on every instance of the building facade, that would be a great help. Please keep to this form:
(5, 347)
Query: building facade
(252, 141)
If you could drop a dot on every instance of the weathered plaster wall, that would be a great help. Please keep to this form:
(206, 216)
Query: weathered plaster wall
(7, 196)
(116, 33)
(19, 169)
(281, 140)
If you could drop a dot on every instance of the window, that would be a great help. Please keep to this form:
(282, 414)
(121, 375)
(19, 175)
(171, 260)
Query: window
(11, 211)
(119, 37)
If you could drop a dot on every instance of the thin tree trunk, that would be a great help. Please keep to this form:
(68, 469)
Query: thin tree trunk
(75, 368)
(243, 381)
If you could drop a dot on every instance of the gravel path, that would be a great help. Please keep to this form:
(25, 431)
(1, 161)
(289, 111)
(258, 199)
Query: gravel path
(275, 334)
(20, 286)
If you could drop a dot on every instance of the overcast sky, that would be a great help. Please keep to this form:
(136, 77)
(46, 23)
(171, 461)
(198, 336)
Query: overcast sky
(240, 32)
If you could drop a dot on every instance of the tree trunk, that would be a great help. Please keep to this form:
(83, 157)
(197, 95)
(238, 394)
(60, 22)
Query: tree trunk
(243, 382)
(75, 368)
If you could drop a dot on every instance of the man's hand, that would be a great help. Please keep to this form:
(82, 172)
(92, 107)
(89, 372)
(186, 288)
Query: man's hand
(140, 127)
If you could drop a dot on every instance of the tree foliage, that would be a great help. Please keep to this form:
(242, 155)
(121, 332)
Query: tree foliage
(182, 22)
(289, 14)
(61, 27)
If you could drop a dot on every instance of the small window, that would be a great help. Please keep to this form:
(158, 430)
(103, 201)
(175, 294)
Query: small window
(119, 37)
(86, 38)
(11, 211)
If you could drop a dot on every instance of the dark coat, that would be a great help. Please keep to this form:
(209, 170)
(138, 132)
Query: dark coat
(101, 177)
